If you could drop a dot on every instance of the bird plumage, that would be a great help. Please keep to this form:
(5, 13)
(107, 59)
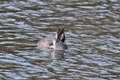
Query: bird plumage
(57, 43)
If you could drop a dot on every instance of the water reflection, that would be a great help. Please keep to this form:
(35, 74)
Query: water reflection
(92, 32)
(57, 55)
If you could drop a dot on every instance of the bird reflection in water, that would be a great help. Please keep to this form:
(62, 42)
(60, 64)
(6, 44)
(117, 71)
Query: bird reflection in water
(57, 55)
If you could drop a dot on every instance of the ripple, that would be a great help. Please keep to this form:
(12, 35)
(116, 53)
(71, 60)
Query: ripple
(92, 35)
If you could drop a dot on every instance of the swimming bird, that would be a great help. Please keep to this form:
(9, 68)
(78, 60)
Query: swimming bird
(56, 43)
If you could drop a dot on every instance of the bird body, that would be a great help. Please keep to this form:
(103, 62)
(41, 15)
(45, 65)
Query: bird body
(56, 43)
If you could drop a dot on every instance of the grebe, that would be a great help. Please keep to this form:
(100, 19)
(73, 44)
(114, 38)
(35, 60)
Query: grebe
(57, 43)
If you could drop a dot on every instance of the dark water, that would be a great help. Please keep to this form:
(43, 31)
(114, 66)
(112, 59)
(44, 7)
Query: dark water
(92, 29)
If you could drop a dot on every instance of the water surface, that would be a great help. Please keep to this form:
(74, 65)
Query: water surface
(92, 29)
